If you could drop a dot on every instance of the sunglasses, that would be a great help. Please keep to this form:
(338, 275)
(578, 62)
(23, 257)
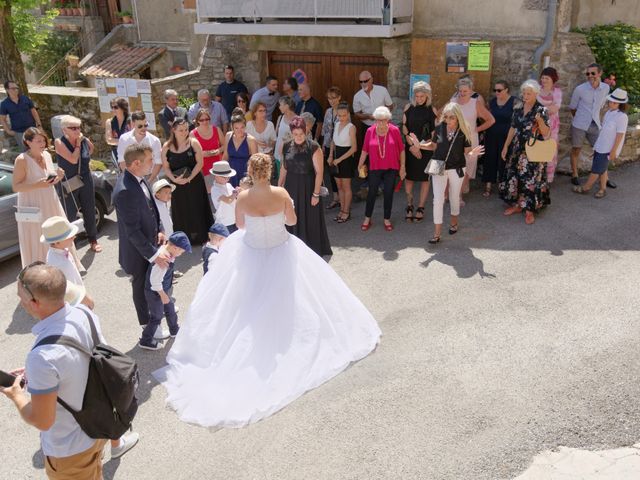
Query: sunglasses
(498, 90)
(74, 128)
(21, 277)
(591, 74)
(145, 125)
(365, 81)
(205, 119)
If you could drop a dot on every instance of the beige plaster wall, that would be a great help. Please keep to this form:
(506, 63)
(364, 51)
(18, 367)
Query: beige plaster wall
(587, 13)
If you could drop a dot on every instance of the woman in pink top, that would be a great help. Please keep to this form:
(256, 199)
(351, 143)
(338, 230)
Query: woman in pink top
(383, 145)
(550, 97)
(210, 139)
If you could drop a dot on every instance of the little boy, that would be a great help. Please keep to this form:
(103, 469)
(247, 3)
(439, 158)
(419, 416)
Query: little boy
(59, 234)
(158, 292)
(162, 190)
(223, 195)
(217, 235)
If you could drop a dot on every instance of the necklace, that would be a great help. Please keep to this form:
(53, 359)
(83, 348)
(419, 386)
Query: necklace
(450, 135)
(382, 146)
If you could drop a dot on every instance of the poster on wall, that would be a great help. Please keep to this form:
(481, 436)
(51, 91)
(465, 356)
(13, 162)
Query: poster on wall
(479, 56)
(456, 57)
(417, 77)
(136, 91)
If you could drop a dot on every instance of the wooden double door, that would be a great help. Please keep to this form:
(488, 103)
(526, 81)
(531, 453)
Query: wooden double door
(322, 71)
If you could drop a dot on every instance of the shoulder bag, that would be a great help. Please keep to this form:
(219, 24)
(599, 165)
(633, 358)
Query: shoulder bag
(540, 151)
(74, 183)
(438, 167)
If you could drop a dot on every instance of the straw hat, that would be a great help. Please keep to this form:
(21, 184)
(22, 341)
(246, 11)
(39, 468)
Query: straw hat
(619, 96)
(160, 184)
(222, 169)
(56, 229)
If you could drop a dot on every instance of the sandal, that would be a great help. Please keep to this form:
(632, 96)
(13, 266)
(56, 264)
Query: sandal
(419, 211)
(579, 189)
(365, 226)
(512, 210)
(388, 227)
(409, 213)
(95, 247)
(453, 229)
(333, 204)
(435, 239)
(344, 219)
(487, 192)
(600, 194)
(529, 218)
(338, 216)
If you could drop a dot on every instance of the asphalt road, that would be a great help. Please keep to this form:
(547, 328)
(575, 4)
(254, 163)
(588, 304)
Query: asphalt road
(500, 342)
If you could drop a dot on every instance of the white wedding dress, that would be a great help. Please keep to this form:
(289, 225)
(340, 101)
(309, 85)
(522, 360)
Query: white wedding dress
(270, 321)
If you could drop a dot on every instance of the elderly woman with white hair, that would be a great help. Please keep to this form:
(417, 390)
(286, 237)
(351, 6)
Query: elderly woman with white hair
(452, 146)
(383, 145)
(73, 154)
(419, 118)
(525, 186)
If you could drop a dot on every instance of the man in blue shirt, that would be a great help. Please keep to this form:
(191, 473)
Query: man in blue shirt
(21, 111)
(309, 104)
(229, 89)
(268, 95)
(216, 110)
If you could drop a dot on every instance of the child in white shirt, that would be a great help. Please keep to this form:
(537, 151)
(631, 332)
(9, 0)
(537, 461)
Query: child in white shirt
(162, 190)
(223, 195)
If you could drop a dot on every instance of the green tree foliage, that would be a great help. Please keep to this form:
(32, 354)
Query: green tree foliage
(617, 48)
(31, 31)
(56, 46)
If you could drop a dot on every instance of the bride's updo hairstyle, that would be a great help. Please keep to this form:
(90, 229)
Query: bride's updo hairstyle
(260, 166)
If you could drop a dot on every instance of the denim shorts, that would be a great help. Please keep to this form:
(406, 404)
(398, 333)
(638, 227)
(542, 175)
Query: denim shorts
(600, 163)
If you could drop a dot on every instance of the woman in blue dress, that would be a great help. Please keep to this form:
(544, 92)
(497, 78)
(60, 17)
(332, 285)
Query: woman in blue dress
(238, 147)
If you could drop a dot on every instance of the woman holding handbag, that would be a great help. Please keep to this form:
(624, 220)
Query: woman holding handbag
(525, 184)
(34, 177)
(452, 149)
(73, 153)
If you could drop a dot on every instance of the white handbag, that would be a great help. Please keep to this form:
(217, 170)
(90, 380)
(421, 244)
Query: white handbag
(28, 215)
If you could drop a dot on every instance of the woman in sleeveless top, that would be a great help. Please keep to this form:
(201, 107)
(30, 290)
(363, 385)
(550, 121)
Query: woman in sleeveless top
(238, 147)
(210, 139)
(182, 162)
(29, 181)
(301, 176)
(73, 153)
(420, 119)
(501, 107)
(287, 107)
(472, 109)
(243, 352)
(342, 151)
(334, 97)
(550, 97)
(117, 125)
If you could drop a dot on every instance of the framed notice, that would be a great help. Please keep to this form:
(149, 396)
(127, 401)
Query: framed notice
(479, 56)
(457, 54)
(136, 91)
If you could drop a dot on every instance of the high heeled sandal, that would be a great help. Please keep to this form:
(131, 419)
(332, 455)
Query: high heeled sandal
(388, 227)
(409, 214)
(344, 219)
(419, 210)
(365, 226)
(453, 229)
(435, 239)
(338, 217)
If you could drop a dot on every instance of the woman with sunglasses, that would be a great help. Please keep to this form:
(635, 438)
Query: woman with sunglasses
(182, 162)
(117, 125)
(210, 139)
(34, 177)
(524, 186)
(73, 154)
(242, 102)
(501, 107)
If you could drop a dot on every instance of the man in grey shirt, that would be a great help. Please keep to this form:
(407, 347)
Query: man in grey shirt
(586, 103)
(268, 95)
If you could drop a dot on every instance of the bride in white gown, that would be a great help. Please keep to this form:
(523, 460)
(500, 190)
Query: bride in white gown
(269, 322)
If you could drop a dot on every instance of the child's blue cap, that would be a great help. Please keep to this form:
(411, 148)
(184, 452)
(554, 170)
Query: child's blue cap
(219, 229)
(180, 239)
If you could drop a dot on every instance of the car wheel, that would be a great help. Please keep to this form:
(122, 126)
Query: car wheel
(101, 211)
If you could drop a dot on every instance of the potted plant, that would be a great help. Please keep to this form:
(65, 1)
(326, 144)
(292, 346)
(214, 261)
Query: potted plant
(75, 7)
(126, 16)
(84, 8)
(62, 7)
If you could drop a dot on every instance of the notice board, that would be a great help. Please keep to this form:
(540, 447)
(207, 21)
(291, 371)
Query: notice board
(137, 91)
(429, 56)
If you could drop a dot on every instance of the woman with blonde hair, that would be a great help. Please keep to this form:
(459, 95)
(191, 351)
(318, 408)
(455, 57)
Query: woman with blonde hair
(419, 118)
(452, 144)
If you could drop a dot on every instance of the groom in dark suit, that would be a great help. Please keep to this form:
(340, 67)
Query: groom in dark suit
(170, 112)
(139, 226)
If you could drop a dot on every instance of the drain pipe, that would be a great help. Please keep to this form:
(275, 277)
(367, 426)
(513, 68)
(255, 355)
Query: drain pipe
(548, 38)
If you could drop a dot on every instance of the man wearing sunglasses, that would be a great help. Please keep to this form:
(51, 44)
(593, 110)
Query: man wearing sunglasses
(370, 97)
(54, 371)
(21, 111)
(140, 135)
(586, 104)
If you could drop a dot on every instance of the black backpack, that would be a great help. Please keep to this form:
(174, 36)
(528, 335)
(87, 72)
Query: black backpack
(109, 402)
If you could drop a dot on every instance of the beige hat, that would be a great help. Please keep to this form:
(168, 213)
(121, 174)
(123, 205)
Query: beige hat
(618, 96)
(222, 169)
(160, 184)
(74, 293)
(56, 229)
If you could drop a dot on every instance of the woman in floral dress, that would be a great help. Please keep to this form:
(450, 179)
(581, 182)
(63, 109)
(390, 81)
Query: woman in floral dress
(524, 185)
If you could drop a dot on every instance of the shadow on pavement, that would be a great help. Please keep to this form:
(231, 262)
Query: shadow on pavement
(21, 321)
(462, 260)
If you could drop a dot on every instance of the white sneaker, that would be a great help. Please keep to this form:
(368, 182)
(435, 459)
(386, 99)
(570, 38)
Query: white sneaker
(127, 442)
(161, 333)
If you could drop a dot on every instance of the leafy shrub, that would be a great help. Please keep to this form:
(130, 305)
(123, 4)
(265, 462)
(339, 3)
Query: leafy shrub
(56, 46)
(617, 48)
(186, 102)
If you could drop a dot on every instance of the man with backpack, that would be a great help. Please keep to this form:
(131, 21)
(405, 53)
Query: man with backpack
(61, 378)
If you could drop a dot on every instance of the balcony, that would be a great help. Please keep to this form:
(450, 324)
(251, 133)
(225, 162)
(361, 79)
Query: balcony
(308, 18)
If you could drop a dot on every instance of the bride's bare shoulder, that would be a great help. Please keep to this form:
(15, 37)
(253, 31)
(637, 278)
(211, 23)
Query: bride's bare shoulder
(280, 191)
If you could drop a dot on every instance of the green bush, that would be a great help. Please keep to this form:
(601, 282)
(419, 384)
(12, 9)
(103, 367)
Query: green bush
(617, 48)
(56, 46)
(186, 102)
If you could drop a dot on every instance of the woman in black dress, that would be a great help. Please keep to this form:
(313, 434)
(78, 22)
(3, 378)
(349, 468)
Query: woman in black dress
(301, 175)
(420, 119)
(182, 162)
(501, 107)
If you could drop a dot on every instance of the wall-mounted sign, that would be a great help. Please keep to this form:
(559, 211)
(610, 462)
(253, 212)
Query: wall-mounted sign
(479, 56)
(457, 54)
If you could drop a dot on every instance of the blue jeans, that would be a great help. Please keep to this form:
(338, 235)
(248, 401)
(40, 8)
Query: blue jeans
(388, 179)
(156, 311)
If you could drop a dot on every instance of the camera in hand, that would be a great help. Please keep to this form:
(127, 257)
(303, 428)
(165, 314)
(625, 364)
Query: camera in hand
(6, 380)
(51, 177)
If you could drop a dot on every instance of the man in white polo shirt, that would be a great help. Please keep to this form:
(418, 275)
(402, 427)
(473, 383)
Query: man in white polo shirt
(139, 134)
(587, 101)
(370, 97)
(54, 371)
